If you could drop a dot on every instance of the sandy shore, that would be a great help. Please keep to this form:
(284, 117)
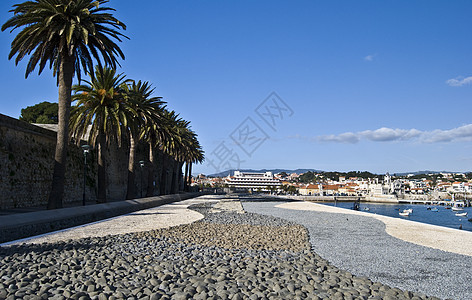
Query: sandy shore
(437, 237)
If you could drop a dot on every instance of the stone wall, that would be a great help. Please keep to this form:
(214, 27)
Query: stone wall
(27, 159)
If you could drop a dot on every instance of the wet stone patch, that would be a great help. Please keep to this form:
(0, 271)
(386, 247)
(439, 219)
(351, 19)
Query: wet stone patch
(224, 256)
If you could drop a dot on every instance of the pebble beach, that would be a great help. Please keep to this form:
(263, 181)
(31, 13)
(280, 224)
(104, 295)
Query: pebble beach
(228, 249)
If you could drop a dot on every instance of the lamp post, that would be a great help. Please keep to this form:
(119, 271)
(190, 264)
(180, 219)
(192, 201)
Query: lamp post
(86, 149)
(141, 164)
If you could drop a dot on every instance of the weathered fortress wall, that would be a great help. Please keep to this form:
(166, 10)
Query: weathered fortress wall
(27, 160)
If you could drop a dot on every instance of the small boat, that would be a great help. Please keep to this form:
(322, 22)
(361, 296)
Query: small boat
(470, 220)
(461, 214)
(428, 208)
(410, 210)
(435, 209)
(405, 213)
(366, 209)
(457, 205)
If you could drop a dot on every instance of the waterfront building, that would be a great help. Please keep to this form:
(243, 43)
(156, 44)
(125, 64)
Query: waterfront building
(252, 181)
(310, 190)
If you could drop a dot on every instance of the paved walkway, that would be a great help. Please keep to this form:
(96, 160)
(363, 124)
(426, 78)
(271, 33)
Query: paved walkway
(164, 216)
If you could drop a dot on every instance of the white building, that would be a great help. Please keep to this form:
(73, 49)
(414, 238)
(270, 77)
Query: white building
(253, 181)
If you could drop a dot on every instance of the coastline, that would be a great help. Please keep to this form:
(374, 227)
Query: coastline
(360, 244)
(437, 237)
(332, 255)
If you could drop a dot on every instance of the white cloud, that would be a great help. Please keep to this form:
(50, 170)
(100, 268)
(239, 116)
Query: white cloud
(462, 133)
(369, 57)
(388, 134)
(347, 138)
(459, 81)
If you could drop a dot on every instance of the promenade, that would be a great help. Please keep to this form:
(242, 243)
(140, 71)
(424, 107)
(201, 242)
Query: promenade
(216, 247)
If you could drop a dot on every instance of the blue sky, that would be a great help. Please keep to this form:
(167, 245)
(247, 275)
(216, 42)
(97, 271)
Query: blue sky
(382, 86)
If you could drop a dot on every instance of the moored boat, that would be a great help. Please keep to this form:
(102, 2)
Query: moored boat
(405, 213)
(458, 205)
(463, 214)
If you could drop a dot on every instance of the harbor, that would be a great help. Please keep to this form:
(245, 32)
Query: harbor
(380, 199)
(435, 215)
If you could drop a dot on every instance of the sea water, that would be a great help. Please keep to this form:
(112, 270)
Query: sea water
(443, 217)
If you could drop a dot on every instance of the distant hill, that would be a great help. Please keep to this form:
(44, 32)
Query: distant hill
(300, 171)
(423, 172)
(274, 171)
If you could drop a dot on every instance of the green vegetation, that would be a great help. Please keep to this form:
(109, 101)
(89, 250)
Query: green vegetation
(68, 36)
(72, 36)
(289, 189)
(41, 113)
(313, 177)
(347, 175)
(307, 177)
(100, 103)
(116, 108)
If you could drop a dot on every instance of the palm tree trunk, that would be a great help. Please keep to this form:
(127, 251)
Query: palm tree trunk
(180, 177)
(173, 184)
(190, 176)
(131, 192)
(159, 156)
(186, 178)
(66, 73)
(102, 183)
(163, 186)
(150, 185)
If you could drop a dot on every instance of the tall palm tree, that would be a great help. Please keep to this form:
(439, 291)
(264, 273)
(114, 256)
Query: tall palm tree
(187, 150)
(156, 134)
(181, 143)
(193, 154)
(197, 156)
(69, 35)
(149, 112)
(101, 103)
(168, 147)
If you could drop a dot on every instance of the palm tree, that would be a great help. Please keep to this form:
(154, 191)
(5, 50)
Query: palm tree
(168, 147)
(195, 154)
(182, 140)
(69, 35)
(148, 113)
(187, 149)
(156, 134)
(101, 103)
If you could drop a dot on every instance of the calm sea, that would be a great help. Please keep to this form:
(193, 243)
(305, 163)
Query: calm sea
(444, 217)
